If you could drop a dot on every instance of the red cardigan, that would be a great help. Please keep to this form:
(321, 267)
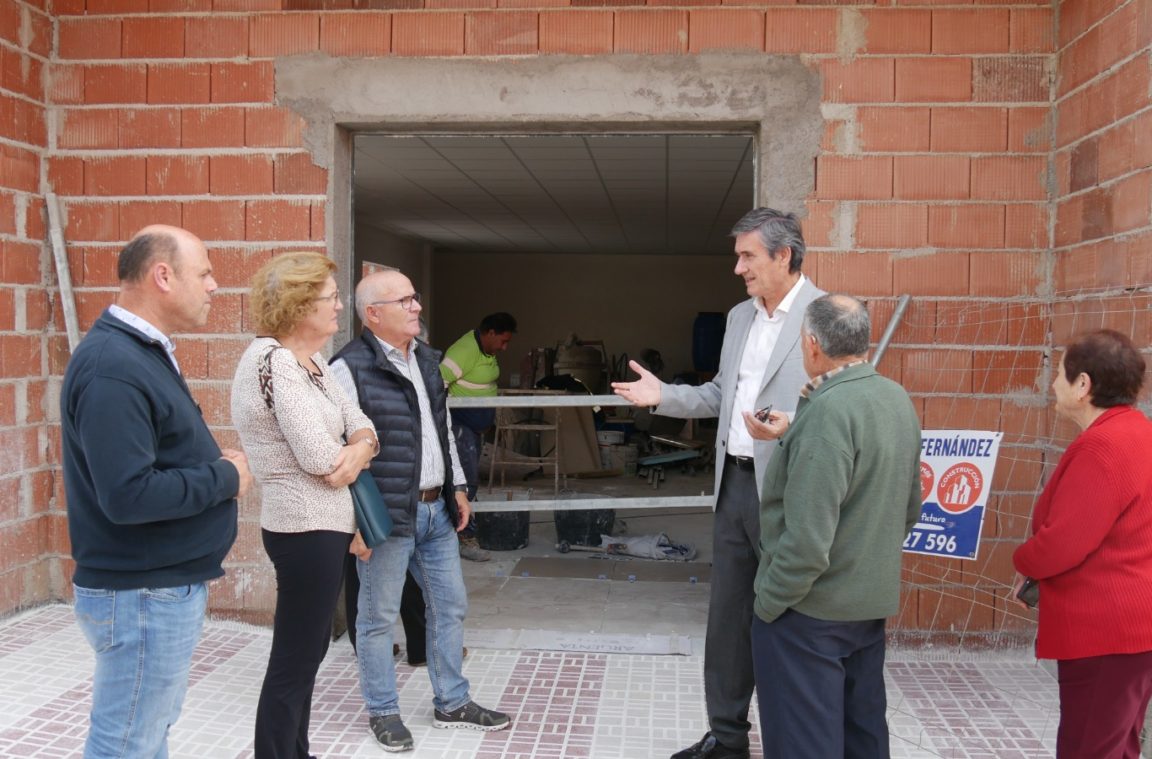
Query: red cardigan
(1091, 544)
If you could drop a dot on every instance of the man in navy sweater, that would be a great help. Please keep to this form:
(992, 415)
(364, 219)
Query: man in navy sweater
(151, 497)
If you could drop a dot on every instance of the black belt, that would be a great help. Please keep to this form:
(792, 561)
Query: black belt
(430, 494)
(743, 463)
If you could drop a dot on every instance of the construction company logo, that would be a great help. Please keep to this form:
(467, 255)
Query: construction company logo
(960, 487)
(927, 478)
(953, 503)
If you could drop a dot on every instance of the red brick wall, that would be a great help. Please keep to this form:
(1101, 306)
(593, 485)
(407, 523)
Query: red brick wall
(28, 530)
(937, 178)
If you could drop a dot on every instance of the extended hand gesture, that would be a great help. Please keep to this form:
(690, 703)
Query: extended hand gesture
(642, 392)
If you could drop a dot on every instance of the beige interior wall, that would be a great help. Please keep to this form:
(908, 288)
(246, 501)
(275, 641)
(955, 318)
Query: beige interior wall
(629, 302)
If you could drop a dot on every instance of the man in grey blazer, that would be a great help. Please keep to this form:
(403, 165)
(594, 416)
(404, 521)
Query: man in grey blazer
(760, 367)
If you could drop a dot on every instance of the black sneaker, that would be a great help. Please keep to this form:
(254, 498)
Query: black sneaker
(710, 748)
(390, 733)
(471, 716)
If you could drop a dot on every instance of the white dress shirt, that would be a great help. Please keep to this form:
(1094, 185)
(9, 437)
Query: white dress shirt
(762, 337)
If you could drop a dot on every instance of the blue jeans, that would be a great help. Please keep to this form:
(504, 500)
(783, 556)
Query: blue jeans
(143, 640)
(433, 556)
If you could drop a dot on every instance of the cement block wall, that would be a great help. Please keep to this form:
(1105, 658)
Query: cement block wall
(982, 158)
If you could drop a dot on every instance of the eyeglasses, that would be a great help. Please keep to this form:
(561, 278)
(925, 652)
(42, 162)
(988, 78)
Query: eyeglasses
(335, 296)
(405, 302)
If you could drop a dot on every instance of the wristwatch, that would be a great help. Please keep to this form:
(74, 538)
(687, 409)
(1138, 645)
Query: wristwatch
(461, 488)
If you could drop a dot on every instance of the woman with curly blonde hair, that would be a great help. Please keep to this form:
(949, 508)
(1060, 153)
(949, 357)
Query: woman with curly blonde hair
(306, 442)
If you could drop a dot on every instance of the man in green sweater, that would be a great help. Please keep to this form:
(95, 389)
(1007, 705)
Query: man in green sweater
(839, 496)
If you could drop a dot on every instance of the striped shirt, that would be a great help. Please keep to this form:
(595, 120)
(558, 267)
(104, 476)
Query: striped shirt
(811, 385)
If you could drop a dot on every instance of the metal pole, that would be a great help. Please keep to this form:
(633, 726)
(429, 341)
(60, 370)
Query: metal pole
(893, 323)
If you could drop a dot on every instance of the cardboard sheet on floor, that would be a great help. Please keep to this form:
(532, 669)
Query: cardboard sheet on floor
(591, 568)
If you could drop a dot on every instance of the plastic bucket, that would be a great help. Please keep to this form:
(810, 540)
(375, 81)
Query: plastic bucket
(502, 530)
(584, 527)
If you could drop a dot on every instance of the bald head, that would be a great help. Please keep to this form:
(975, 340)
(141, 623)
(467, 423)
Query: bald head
(156, 242)
(380, 285)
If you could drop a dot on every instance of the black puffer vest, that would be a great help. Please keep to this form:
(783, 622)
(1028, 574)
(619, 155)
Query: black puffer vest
(390, 401)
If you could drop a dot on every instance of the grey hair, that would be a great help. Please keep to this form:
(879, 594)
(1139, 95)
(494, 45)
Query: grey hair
(840, 324)
(777, 230)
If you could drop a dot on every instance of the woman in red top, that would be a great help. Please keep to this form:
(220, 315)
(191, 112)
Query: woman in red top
(1091, 551)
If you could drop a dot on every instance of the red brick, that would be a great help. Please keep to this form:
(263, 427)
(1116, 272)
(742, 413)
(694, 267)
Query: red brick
(537, 3)
(272, 128)
(20, 168)
(460, 4)
(150, 128)
(214, 220)
(116, 83)
(864, 80)
(1118, 34)
(1013, 79)
(22, 74)
(1029, 130)
(179, 6)
(91, 221)
(1129, 89)
(1079, 62)
(234, 267)
(932, 274)
(1006, 372)
(99, 266)
(897, 30)
(116, 7)
(359, 34)
(966, 226)
(854, 178)
(66, 84)
(969, 129)
(1132, 202)
(122, 175)
(1009, 177)
(246, 5)
(212, 127)
(277, 220)
(316, 220)
(283, 34)
(66, 175)
(21, 264)
(576, 32)
(248, 82)
(7, 213)
(1076, 16)
(136, 215)
(893, 129)
(1026, 225)
(859, 274)
(177, 175)
(725, 29)
(225, 317)
(216, 37)
(297, 174)
(500, 33)
(891, 225)
(651, 31)
(40, 43)
(240, 175)
(181, 83)
(801, 30)
(930, 177)
(153, 37)
(28, 122)
(936, 371)
(971, 30)
(84, 38)
(192, 354)
(36, 219)
(938, 80)
(423, 34)
(1006, 274)
(1032, 31)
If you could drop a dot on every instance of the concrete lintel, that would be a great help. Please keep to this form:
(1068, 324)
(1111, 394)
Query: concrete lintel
(775, 97)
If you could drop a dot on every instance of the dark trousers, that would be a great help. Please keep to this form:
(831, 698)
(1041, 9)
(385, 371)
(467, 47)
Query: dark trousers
(411, 612)
(469, 443)
(1102, 705)
(728, 679)
(308, 570)
(820, 687)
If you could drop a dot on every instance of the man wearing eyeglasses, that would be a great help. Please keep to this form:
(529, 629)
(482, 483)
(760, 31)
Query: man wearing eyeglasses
(396, 380)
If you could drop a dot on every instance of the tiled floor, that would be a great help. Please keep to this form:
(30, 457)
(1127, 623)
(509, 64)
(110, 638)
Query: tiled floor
(566, 703)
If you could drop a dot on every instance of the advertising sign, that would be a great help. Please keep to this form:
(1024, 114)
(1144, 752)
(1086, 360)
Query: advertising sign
(956, 469)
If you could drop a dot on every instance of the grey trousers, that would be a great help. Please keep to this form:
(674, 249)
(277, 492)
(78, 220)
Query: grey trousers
(728, 673)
